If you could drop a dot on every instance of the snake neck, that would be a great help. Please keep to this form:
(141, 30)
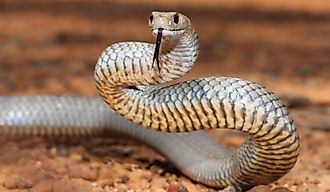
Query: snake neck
(125, 69)
(177, 56)
(130, 64)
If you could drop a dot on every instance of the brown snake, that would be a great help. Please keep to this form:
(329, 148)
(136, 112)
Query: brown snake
(128, 75)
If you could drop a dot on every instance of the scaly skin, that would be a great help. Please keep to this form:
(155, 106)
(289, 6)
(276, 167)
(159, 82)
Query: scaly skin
(127, 79)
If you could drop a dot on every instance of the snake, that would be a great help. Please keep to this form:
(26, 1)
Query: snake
(140, 99)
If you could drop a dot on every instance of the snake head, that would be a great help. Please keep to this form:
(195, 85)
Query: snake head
(166, 25)
(172, 23)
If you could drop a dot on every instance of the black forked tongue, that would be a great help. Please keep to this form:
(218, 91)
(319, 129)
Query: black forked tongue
(157, 47)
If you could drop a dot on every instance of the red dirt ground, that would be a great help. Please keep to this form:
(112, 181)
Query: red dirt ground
(50, 47)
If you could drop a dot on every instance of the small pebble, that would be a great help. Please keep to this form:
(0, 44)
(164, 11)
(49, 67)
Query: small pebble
(176, 187)
(105, 173)
(261, 188)
(281, 189)
(124, 179)
(76, 157)
(74, 171)
(129, 167)
(88, 173)
(17, 183)
(45, 185)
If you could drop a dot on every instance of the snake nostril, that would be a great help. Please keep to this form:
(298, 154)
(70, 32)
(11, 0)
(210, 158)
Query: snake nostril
(151, 18)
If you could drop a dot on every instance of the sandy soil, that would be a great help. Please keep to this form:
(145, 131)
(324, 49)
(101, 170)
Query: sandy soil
(50, 47)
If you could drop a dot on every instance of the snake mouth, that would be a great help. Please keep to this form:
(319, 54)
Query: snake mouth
(167, 32)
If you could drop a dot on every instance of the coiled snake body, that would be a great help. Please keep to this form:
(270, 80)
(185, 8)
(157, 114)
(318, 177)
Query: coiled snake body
(127, 76)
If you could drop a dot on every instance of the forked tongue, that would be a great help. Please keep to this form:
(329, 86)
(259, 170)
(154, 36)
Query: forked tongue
(157, 47)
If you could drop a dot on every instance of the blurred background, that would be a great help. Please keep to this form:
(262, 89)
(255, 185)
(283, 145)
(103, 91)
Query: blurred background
(50, 47)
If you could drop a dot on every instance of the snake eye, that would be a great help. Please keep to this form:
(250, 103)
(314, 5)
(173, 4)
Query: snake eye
(176, 18)
(151, 18)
